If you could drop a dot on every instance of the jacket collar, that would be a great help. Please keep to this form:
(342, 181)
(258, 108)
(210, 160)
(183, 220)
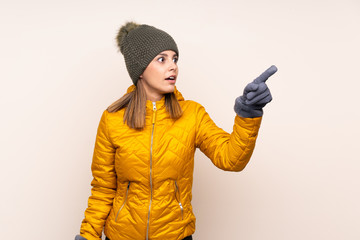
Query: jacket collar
(160, 105)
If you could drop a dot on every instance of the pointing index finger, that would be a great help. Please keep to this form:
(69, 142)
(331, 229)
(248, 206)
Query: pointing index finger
(265, 75)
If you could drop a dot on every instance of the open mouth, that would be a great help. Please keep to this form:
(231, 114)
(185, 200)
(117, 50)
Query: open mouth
(170, 78)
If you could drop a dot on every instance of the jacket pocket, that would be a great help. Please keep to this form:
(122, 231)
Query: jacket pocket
(178, 199)
(123, 204)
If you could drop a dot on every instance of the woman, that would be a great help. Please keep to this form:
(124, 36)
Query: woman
(144, 151)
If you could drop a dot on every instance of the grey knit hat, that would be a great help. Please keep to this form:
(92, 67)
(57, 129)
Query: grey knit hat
(140, 44)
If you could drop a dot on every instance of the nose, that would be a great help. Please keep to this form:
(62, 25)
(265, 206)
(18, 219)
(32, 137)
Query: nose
(172, 66)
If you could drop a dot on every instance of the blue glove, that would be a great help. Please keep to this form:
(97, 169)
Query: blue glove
(256, 96)
(78, 237)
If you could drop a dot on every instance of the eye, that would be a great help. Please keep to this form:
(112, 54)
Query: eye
(161, 59)
(175, 59)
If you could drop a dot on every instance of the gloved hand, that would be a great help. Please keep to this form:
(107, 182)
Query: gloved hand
(256, 95)
(78, 237)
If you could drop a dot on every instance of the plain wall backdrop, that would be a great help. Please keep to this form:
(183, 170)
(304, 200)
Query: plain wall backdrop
(60, 68)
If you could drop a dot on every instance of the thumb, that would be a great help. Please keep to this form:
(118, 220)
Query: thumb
(250, 88)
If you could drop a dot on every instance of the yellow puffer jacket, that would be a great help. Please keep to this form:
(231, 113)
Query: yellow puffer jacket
(143, 179)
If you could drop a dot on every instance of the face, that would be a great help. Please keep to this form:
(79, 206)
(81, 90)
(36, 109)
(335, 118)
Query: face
(160, 75)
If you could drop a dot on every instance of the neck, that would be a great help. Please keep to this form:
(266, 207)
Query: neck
(154, 97)
(151, 94)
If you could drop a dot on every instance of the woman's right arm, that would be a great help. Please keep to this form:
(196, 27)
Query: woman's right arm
(103, 183)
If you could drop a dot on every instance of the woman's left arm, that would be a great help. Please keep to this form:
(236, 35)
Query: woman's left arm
(232, 152)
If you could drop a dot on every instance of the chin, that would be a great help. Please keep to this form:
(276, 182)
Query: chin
(169, 89)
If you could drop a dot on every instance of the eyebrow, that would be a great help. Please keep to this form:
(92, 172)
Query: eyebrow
(164, 54)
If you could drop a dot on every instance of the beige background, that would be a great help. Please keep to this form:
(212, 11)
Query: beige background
(60, 69)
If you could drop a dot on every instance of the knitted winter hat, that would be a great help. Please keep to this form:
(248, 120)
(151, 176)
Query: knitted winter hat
(140, 44)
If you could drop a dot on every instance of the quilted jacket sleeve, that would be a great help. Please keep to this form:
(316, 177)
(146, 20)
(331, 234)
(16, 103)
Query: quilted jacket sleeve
(230, 152)
(103, 184)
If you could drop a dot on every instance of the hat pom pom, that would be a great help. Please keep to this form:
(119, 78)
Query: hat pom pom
(123, 32)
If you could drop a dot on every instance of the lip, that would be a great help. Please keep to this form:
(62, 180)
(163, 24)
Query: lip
(174, 76)
(171, 81)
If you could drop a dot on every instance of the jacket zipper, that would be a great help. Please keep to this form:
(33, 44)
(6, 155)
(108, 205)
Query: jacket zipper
(151, 148)
(126, 194)
(179, 200)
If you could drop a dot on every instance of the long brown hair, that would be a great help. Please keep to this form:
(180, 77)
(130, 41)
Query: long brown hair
(135, 104)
